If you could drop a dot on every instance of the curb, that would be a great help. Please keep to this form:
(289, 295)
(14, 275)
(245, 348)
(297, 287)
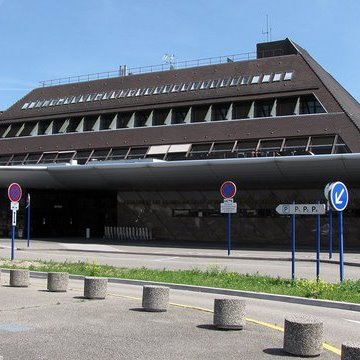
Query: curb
(203, 289)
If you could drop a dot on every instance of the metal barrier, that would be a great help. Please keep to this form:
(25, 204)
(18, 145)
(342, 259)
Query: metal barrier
(127, 233)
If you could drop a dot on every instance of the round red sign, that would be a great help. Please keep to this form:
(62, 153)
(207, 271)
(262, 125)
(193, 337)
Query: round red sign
(14, 192)
(228, 190)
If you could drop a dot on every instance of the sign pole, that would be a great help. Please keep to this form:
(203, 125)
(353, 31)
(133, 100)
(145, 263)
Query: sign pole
(13, 242)
(229, 234)
(28, 220)
(318, 244)
(330, 233)
(293, 245)
(341, 245)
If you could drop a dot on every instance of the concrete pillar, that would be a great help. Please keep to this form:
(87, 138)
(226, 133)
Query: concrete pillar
(19, 278)
(155, 298)
(95, 287)
(303, 335)
(229, 314)
(350, 351)
(58, 281)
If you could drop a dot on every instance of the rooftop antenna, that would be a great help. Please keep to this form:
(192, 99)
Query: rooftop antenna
(170, 60)
(268, 31)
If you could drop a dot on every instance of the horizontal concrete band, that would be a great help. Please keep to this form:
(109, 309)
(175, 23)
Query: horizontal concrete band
(231, 292)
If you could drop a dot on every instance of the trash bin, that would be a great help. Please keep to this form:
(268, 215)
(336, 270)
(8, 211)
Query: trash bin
(87, 233)
(20, 233)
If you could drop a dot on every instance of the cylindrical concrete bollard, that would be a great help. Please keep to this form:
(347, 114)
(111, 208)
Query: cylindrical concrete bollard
(229, 314)
(19, 278)
(58, 281)
(155, 298)
(350, 351)
(303, 335)
(95, 287)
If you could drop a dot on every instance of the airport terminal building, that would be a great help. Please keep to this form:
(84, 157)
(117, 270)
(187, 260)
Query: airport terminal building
(141, 154)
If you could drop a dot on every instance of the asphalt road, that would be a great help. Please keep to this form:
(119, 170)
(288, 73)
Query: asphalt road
(36, 324)
(262, 262)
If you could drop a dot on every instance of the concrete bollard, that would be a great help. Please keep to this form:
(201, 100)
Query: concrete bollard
(19, 278)
(155, 298)
(350, 351)
(229, 314)
(95, 287)
(303, 335)
(57, 281)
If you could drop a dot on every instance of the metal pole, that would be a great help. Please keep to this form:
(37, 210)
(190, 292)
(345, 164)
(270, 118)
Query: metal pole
(330, 233)
(28, 225)
(229, 234)
(341, 245)
(13, 243)
(318, 244)
(293, 245)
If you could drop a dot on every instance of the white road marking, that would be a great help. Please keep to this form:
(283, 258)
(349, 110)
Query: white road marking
(167, 258)
(89, 247)
(353, 321)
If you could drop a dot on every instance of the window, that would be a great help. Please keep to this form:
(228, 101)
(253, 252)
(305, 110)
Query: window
(32, 159)
(39, 103)
(214, 84)
(219, 111)
(166, 89)
(205, 84)
(198, 113)
(245, 80)
(65, 156)
(105, 96)
(310, 105)
(90, 97)
(246, 148)
(288, 75)
(73, 101)
(82, 156)
(157, 90)
(131, 92)
(255, 79)
(118, 154)
(140, 92)
(99, 155)
(81, 99)
(277, 77)
(179, 115)
(60, 101)
(148, 91)
(32, 104)
(263, 108)
(48, 158)
(67, 100)
(25, 106)
(112, 95)
(266, 78)
(98, 97)
(286, 106)
(176, 88)
(224, 82)
(200, 151)
(46, 103)
(137, 153)
(185, 87)
(321, 144)
(195, 85)
(121, 93)
(270, 147)
(235, 81)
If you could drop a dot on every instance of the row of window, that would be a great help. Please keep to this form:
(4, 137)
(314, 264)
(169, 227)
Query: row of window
(311, 145)
(162, 89)
(287, 106)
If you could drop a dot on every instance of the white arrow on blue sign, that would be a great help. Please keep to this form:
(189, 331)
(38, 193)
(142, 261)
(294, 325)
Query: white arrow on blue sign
(338, 196)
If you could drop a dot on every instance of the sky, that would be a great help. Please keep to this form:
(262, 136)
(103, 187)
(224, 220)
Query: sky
(48, 39)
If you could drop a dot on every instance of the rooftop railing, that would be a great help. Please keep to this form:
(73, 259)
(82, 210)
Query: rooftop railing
(125, 71)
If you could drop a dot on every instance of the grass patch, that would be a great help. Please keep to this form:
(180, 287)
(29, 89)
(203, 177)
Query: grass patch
(212, 277)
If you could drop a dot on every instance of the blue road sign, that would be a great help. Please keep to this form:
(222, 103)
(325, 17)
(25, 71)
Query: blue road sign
(338, 196)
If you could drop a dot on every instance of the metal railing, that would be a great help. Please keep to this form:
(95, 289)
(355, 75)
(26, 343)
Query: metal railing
(151, 68)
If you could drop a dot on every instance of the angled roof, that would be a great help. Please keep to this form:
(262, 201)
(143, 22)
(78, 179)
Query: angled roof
(345, 100)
